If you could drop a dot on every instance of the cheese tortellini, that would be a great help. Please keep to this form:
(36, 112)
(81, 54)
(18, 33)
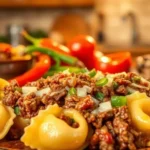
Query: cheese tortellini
(6, 119)
(139, 108)
(3, 83)
(47, 132)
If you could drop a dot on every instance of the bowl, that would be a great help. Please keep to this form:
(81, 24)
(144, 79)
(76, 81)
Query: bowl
(12, 68)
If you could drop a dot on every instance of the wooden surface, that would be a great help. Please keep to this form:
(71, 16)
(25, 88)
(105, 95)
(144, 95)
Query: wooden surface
(135, 50)
(45, 3)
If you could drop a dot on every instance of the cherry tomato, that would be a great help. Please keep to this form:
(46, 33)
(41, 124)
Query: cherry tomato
(82, 47)
(114, 63)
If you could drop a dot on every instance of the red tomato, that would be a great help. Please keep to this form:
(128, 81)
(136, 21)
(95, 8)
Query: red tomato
(114, 63)
(83, 47)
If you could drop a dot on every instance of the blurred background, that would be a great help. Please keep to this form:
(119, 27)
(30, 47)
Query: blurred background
(122, 23)
(117, 25)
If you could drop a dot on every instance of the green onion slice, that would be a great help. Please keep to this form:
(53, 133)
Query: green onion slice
(92, 73)
(102, 82)
(99, 96)
(16, 110)
(72, 91)
(117, 101)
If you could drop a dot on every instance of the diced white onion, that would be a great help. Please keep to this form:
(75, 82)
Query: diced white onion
(105, 106)
(131, 90)
(110, 78)
(43, 91)
(81, 92)
(27, 89)
(139, 86)
(89, 89)
(95, 111)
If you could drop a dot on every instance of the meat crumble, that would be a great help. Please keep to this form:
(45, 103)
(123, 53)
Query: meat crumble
(112, 129)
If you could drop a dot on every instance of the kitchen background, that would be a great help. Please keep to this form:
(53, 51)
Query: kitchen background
(117, 25)
(115, 22)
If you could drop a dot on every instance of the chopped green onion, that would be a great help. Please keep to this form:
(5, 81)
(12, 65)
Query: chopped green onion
(72, 91)
(99, 96)
(136, 79)
(16, 110)
(117, 101)
(84, 70)
(102, 82)
(115, 85)
(92, 73)
(18, 89)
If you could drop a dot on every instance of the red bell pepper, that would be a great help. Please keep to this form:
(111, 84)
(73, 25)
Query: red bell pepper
(47, 43)
(114, 62)
(39, 69)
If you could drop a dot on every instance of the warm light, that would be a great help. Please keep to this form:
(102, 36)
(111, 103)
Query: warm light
(65, 49)
(105, 59)
(98, 54)
(114, 62)
(90, 39)
(76, 46)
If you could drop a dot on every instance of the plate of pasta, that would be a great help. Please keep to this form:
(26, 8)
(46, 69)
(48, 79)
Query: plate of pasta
(76, 111)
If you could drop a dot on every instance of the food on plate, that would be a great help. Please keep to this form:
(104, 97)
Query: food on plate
(4, 51)
(13, 61)
(138, 104)
(9, 53)
(76, 111)
(50, 131)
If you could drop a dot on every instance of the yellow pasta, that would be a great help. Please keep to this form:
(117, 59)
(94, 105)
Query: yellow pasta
(6, 119)
(139, 104)
(52, 133)
(3, 83)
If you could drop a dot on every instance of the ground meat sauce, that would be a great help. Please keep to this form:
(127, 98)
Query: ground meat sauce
(112, 130)
(13, 145)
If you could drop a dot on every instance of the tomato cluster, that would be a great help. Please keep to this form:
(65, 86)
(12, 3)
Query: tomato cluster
(84, 48)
